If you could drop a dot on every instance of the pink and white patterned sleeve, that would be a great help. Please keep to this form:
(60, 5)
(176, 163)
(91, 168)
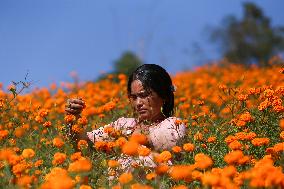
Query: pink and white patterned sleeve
(167, 134)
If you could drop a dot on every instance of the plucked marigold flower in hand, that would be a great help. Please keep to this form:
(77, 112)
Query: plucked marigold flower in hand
(58, 158)
(57, 142)
(28, 153)
(69, 118)
(82, 165)
(202, 161)
(189, 147)
(125, 178)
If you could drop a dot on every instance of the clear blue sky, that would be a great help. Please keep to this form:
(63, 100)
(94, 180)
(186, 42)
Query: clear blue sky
(50, 38)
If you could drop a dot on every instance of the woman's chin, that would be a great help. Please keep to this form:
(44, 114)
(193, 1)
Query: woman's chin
(144, 117)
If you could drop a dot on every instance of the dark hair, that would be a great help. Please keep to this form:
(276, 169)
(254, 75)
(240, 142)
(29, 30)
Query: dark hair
(155, 77)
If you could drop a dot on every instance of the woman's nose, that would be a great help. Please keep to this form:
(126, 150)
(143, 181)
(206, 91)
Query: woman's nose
(139, 102)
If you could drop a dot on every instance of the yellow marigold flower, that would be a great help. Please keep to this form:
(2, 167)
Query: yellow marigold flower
(125, 178)
(28, 153)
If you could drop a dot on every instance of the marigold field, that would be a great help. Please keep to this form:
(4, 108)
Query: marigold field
(235, 137)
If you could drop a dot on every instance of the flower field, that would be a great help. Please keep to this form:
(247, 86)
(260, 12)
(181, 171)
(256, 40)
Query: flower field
(235, 134)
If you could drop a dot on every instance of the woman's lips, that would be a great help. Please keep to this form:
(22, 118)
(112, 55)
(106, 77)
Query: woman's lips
(142, 111)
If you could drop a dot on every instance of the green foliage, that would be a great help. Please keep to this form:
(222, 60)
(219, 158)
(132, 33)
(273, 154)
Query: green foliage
(251, 39)
(127, 63)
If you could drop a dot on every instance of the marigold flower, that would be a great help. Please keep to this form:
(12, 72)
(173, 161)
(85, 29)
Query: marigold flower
(125, 178)
(211, 139)
(57, 142)
(151, 176)
(130, 148)
(85, 187)
(43, 112)
(28, 153)
(58, 158)
(38, 163)
(120, 141)
(69, 118)
(25, 181)
(181, 172)
(82, 121)
(113, 163)
(143, 151)
(281, 124)
(19, 132)
(164, 157)
(260, 141)
(3, 134)
(139, 138)
(176, 149)
(180, 187)
(76, 156)
(189, 147)
(82, 165)
(233, 156)
(47, 124)
(162, 169)
(82, 144)
(235, 145)
(202, 161)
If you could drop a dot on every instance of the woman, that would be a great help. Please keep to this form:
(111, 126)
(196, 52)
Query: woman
(151, 95)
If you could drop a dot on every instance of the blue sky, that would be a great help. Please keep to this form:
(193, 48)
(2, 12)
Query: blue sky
(50, 38)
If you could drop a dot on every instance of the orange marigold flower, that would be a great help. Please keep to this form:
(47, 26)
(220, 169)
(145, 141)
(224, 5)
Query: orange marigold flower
(85, 187)
(233, 156)
(130, 148)
(202, 161)
(151, 176)
(176, 149)
(25, 181)
(242, 97)
(162, 169)
(100, 145)
(230, 139)
(143, 151)
(235, 145)
(82, 144)
(198, 136)
(164, 157)
(189, 147)
(77, 128)
(268, 93)
(282, 135)
(263, 105)
(210, 179)
(120, 141)
(250, 136)
(38, 163)
(211, 139)
(58, 158)
(19, 132)
(28, 153)
(281, 124)
(181, 172)
(260, 141)
(76, 156)
(43, 112)
(3, 134)
(69, 118)
(113, 163)
(82, 121)
(125, 178)
(82, 165)
(57, 142)
(47, 124)
(139, 138)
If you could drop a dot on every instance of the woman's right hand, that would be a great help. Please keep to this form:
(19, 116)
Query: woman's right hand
(74, 106)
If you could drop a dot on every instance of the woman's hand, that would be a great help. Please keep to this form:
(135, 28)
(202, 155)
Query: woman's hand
(74, 106)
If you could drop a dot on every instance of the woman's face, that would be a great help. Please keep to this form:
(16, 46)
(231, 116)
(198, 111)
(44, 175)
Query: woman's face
(147, 104)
